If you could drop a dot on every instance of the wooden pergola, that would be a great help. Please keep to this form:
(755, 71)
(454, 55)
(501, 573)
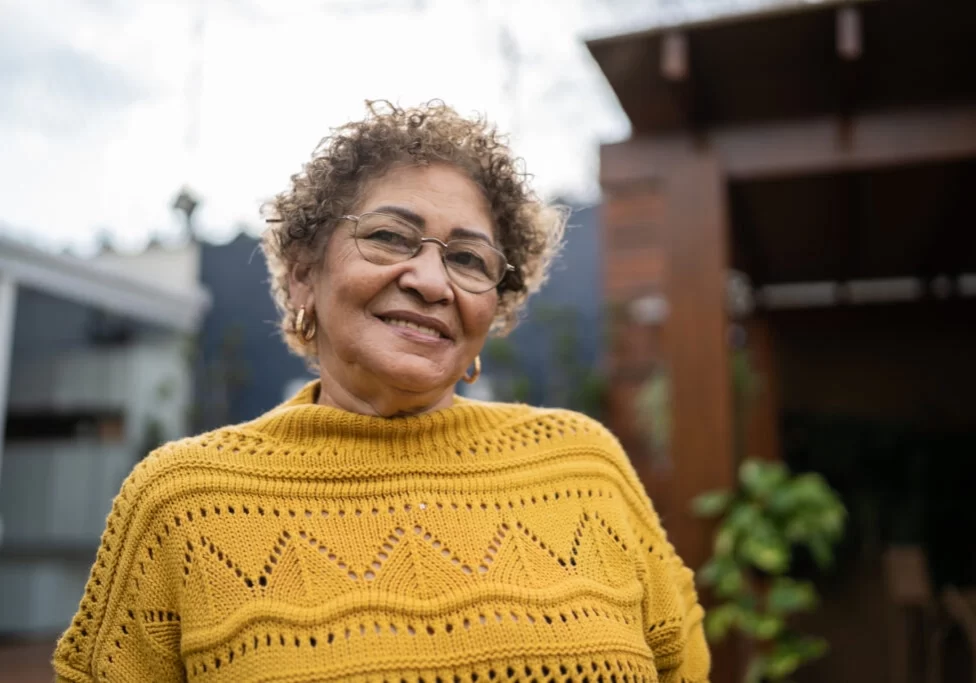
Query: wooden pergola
(718, 108)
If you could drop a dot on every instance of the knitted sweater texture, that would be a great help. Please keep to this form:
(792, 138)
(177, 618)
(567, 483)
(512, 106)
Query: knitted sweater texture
(484, 542)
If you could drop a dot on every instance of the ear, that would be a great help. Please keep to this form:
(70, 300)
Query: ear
(300, 289)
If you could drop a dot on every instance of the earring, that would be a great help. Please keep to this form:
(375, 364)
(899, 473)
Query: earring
(473, 377)
(305, 332)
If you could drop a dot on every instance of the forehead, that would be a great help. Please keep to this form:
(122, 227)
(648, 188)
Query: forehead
(443, 196)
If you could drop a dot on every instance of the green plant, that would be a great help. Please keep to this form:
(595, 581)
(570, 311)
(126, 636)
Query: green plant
(224, 375)
(654, 410)
(568, 384)
(768, 515)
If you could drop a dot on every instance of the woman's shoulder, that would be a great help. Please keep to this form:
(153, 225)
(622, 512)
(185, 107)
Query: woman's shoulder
(193, 456)
(554, 424)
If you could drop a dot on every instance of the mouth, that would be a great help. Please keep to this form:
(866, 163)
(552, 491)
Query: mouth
(430, 327)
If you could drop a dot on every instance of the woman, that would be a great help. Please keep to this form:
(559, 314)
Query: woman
(376, 526)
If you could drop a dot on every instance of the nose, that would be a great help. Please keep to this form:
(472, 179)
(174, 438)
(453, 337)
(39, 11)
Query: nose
(426, 276)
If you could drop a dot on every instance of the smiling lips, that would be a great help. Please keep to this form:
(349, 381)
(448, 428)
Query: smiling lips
(428, 326)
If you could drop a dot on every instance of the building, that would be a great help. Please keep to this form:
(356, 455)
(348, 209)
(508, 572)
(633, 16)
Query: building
(824, 153)
(553, 356)
(243, 367)
(93, 373)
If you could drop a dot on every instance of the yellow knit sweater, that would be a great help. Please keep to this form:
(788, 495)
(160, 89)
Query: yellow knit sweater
(484, 542)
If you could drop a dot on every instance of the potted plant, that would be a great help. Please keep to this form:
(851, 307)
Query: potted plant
(763, 521)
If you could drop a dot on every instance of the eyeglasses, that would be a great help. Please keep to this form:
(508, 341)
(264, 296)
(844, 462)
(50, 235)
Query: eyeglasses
(472, 265)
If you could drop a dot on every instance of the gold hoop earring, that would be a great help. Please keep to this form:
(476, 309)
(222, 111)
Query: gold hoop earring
(473, 377)
(306, 332)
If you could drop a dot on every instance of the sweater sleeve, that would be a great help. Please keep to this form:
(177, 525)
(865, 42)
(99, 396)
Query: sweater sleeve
(673, 617)
(126, 627)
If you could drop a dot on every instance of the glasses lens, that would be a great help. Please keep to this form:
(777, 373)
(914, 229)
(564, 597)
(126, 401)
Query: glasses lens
(474, 266)
(384, 240)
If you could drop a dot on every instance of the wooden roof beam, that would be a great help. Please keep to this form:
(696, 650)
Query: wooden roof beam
(879, 140)
(685, 82)
(850, 36)
(849, 39)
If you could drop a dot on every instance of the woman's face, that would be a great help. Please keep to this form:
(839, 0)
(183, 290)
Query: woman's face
(366, 350)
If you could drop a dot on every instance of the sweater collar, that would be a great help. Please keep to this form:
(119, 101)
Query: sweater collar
(301, 420)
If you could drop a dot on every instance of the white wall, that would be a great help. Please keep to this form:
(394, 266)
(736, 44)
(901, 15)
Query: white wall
(60, 492)
(151, 379)
(174, 268)
(41, 597)
(55, 494)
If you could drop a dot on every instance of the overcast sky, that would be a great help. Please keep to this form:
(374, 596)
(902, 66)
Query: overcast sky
(108, 107)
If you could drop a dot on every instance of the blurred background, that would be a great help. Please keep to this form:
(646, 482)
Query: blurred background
(772, 257)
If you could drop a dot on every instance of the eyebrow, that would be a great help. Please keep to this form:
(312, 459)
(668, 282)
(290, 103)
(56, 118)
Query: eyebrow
(399, 211)
(418, 220)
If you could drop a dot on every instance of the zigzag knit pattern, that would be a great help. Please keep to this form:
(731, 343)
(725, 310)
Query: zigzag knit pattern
(484, 542)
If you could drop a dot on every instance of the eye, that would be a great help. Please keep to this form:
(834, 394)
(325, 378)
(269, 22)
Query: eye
(391, 238)
(468, 259)
(387, 236)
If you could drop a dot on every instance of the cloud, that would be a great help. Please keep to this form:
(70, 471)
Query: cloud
(58, 89)
(94, 109)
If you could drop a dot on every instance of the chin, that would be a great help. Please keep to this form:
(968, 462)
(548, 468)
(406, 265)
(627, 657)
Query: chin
(415, 377)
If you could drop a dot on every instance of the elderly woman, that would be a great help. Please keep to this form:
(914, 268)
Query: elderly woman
(377, 527)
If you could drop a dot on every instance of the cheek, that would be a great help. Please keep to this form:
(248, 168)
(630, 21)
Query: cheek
(345, 282)
(477, 314)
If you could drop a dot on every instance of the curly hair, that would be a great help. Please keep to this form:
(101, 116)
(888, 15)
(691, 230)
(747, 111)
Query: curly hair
(301, 219)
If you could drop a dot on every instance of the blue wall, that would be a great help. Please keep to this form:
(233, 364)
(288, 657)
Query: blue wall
(575, 284)
(237, 277)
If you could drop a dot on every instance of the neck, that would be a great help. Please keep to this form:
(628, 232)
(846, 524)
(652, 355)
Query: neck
(381, 402)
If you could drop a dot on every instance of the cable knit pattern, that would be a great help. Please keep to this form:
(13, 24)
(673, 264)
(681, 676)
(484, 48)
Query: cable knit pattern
(484, 542)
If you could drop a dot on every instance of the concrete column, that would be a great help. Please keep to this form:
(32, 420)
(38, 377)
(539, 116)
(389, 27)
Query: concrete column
(8, 305)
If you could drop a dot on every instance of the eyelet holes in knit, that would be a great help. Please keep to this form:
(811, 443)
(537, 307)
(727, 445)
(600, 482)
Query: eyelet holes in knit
(541, 430)
(441, 548)
(548, 672)
(369, 574)
(604, 668)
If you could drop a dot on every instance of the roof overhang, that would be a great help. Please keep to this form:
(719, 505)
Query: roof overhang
(790, 62)
(90, 283)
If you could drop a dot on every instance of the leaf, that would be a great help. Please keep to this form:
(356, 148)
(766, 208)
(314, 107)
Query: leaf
(798, 529)
(783, 501)
(787, 596)
(756, 670)
(730, 584)
(713, 570)
(743, 516)
(771, 556)
(708, 574)
(725, 540)
(761, 626)
(822, 553)
(760, 478)
(724, 574)
(719, 620)
(782, 664)
(832, 521)
(811, 489)
(768, 627)
(711, 504)
(810, 647)
(793, 652)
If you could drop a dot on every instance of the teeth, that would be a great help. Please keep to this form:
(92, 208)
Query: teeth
(413, 326)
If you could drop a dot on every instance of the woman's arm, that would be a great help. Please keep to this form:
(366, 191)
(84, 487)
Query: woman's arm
(673, 618)
(125, 628)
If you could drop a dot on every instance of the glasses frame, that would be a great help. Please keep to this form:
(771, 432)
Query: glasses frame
(509, 268)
